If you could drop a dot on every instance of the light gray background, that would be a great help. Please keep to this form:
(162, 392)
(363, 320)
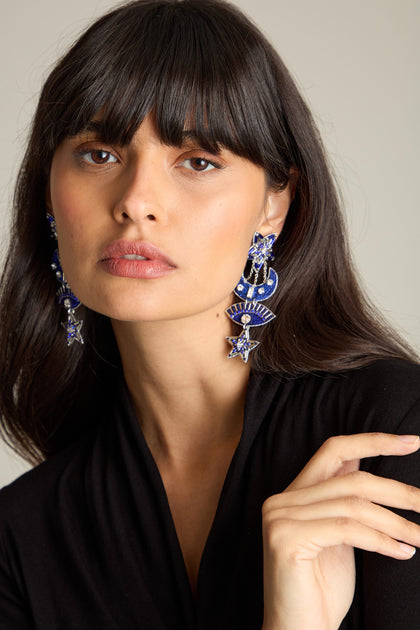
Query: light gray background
(357, 63)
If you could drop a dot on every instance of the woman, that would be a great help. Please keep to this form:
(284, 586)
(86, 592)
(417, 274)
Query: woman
(193, 474)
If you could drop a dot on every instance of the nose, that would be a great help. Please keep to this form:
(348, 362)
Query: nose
(140, 196)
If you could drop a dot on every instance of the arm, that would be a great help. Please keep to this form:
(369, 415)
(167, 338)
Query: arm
(391, 589)
(13, 611)
(310, 531)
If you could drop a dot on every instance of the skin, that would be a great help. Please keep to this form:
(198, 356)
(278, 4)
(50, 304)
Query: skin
(201, 210)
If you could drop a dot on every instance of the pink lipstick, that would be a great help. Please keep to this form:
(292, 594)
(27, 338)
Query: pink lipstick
(135, 259)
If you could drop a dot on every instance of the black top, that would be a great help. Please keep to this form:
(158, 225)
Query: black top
(87, 541)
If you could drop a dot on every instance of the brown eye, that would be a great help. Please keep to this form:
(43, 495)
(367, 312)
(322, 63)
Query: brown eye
(199, 164)
(99, 156)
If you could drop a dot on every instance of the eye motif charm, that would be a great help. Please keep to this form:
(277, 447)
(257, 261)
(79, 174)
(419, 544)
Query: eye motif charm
(251, 313)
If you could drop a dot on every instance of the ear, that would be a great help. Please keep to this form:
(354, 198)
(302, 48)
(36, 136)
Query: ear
(276, 208)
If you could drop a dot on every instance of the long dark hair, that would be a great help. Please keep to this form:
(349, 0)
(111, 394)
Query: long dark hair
(176, 60)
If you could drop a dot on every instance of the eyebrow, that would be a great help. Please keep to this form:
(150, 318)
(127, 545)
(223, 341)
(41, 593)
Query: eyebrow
(99, 129)
(190, 135)
(94, 126)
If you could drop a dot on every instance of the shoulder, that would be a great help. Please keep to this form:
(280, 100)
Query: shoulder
(382, 395)
(29, 507)
(376, 397)
(32, 492)
(385, 377)
(297, 415)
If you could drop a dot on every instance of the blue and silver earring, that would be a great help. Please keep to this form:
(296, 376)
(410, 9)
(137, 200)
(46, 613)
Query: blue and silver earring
(65, 296)
(258, 285)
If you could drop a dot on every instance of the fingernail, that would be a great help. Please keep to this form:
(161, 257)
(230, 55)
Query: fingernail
(407, 550)
(409, 439)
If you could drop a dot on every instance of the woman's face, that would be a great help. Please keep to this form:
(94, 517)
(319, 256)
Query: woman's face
(155, 232)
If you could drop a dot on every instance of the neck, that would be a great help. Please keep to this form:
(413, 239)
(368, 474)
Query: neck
(188, 395)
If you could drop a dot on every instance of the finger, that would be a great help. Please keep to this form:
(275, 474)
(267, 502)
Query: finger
(337, 451)
(357, 509)
(300, 541)
(356, 484)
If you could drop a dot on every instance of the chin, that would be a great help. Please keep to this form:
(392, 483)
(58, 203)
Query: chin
(148, 304)
(137, 312)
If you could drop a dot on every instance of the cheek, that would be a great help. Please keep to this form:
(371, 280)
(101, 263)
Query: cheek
(68, 203)
(234, 220)
(225, 238)
(73, 213)
(69, 198)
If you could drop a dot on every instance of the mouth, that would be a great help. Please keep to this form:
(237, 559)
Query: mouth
(135, 259)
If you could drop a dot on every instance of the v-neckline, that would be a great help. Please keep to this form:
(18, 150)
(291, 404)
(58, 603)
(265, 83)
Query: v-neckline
(222, 522)
(169, 516)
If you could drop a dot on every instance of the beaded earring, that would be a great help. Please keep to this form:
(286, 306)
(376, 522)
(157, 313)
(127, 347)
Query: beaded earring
(65, 296)
(253, 289)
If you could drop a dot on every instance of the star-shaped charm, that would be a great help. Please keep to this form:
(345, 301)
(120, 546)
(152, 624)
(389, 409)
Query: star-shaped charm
(241, 345)
(72, 328)
(260, 250)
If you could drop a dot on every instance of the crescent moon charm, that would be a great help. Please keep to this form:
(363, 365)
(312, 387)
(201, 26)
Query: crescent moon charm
(257, 292)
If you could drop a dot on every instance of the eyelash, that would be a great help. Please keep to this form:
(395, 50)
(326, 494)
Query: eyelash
(82, 155)
(212, 163)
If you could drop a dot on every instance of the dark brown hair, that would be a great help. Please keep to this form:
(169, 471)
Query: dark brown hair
(175, 60)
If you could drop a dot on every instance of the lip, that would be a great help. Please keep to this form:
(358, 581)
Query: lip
(154, 263)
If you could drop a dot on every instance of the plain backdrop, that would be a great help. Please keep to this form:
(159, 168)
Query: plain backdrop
(356, 62)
